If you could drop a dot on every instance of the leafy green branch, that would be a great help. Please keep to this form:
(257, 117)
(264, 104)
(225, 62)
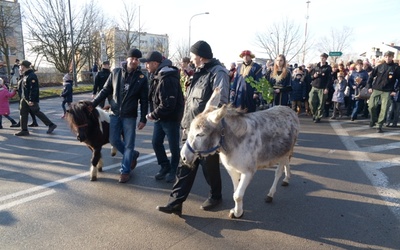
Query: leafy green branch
(262, 86)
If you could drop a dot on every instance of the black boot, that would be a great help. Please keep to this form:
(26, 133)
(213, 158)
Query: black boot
(169, 209)
(15, 125)
(33, 124)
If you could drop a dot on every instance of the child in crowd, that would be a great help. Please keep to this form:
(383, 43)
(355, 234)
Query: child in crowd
(5, 95)
(338, 96)
(299, 90)
(66, 94)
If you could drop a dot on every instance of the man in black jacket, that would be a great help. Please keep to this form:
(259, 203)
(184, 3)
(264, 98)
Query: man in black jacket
(209, 74)
(100, 79)
(128, 87)
(166, 109)
(381, 86)
(321, 82)
(30, 100)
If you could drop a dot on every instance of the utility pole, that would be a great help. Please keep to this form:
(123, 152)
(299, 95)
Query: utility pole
(305, 33)
(72, 46)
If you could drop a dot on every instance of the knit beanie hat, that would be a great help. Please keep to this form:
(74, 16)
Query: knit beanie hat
(134, 53)
(26, 63)
(202, 49)
(67, 77)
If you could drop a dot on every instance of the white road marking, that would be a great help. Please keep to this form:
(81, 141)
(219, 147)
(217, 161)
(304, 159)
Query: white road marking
(141, 162)
(373, 168)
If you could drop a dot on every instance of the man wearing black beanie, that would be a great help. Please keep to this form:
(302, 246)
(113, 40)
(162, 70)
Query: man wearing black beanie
(209, 74)
(128, 87)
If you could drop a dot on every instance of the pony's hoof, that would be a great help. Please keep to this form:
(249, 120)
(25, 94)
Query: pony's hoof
(93, 178)
(113, 151)
(100, 169)
(268, 199)
(232, 215)
(285, 184)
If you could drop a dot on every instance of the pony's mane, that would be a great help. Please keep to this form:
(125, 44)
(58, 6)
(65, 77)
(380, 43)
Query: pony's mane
(78, 114)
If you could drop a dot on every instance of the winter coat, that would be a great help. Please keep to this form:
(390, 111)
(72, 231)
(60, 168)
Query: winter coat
(384, 76)
(284, 85)
(354, 87)
(338, 95)
(67, 91)
(299, 90)
(165, 95)
(241, 91)
(5, 95)
(100, 80)
(29, 86)
(324, 78)
(126, 96)
(205, 79)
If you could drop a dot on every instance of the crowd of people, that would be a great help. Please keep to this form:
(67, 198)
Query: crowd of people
(357, 89)
(171, 96)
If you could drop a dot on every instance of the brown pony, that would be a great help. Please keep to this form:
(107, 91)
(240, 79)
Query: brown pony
(92, 127)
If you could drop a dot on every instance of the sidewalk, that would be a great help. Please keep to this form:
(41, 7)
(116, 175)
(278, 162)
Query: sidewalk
(57, 88)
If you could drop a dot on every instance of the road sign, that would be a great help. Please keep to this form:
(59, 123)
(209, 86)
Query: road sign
(335, 53)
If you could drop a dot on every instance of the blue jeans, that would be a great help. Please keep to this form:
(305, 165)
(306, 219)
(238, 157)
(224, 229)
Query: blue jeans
(125, 127)
(357, 108)
(171, 129)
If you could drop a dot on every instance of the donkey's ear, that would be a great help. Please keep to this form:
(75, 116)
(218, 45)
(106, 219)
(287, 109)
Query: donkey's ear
(214, 99)
(216, 115)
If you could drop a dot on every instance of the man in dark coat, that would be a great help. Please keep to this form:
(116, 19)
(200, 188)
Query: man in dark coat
(100, 79)
(128, 87)
(166, 108)
(30, 100)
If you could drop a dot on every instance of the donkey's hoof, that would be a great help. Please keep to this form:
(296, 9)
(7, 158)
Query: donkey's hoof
(100, 169)
(268, 199)
(285, 184)
(93, 178)
(232, 215)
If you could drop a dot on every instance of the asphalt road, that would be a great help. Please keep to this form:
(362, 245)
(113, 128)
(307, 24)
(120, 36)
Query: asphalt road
(344, 194)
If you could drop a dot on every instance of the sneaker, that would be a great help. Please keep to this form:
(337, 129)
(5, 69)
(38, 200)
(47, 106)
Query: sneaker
(33, 124)
(124, 178)
(51, 128)
(210, 203)
(379, 130)
(22, 133)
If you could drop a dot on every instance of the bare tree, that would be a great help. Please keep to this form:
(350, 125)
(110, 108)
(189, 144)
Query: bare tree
(127, 27)
(338, 40)
(9, 20)
(49, 33)
(181, 52)
(282, 38)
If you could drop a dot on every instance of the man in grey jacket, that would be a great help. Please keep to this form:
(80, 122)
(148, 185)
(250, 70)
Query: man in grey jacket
(209, 74)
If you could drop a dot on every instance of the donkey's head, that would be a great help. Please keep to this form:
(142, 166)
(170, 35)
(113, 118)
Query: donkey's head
(206, 131)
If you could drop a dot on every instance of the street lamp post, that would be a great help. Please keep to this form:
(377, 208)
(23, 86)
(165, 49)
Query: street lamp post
(305, 33)
(190, 26)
